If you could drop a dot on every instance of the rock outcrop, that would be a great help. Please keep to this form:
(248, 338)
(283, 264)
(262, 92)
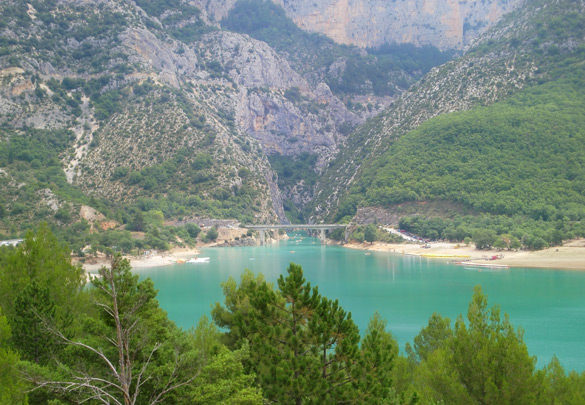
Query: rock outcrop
(272, 102)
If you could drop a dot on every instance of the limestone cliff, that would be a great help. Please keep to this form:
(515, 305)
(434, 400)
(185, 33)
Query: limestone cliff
(445, 24)
(275, 104)
(150, 106)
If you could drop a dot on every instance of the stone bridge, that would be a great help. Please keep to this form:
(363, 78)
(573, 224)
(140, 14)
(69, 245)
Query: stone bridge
(322, 228)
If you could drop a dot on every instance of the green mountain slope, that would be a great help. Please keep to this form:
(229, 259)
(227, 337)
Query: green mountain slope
(514, 157)
(518, 157)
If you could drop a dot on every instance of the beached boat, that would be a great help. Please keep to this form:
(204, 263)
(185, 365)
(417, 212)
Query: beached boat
(198, 260)
(472, 265)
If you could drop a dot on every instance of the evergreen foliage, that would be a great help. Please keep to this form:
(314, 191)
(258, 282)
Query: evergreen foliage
(305, 347)
(31, 158)
(122, 349)
(292, 169)
(41, 258)
(12, 388)
(483, 361)
(33, 307)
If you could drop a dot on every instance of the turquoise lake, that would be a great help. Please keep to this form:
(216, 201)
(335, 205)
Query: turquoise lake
(548, 304)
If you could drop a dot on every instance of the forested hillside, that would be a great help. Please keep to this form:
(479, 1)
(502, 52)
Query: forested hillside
(516, 164)
(519, 161)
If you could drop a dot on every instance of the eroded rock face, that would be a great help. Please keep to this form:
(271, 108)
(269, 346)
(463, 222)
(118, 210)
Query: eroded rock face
(446, 24)
(250, 62)
(146, 49)
(273, 103)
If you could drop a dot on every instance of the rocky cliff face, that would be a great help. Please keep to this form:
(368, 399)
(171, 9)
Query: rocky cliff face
(272, 102)
(141, 114)
(445, 24)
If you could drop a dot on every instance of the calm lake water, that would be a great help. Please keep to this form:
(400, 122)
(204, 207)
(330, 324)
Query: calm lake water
(406, 290)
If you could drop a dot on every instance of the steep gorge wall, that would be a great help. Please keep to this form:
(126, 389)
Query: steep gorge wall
(446, 24)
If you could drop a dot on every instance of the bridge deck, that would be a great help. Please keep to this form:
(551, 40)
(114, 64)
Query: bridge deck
(297, 226)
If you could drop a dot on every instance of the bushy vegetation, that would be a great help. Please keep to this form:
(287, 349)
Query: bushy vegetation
(33, 177)
(410, 58)
(497, 231)
(518, 162)
(30, 162)
(293, 169)
(135, 239)
(377, 73)
(369, 233)
(45, 35)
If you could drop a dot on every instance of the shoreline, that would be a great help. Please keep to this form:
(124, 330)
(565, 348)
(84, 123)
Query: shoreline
(168, 257)
(570, 256)
(172, 256)
(158, 259)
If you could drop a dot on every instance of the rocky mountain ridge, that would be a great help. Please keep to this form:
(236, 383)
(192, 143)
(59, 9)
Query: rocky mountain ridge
(125, 91)
(147, 106)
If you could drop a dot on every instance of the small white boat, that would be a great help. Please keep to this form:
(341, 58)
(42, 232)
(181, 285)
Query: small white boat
(198, 260)
(475, 266)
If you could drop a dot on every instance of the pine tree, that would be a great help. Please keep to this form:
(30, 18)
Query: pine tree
(490, 357)
(12, 387)
(33, 309)
(42, 258)
(304, 348)
(130, 353)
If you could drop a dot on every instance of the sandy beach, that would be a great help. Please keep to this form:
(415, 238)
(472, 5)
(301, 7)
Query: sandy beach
(570, 256)
(165, 258)
(149, 260)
